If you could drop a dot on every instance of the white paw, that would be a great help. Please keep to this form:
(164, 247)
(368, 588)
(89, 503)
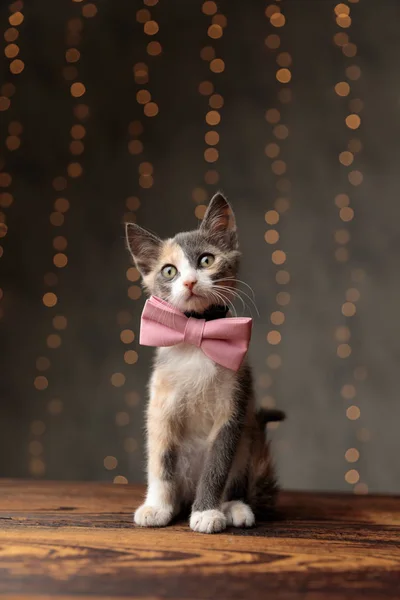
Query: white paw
(238, 514)
(208, 521)
(152, 516)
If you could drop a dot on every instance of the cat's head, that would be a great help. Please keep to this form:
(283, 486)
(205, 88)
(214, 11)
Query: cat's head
(194, 269)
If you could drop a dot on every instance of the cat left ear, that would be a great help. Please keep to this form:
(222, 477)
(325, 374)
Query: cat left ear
(144, 246)
(219, 221)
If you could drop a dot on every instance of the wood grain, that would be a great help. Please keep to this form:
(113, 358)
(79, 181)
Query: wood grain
(77, 540)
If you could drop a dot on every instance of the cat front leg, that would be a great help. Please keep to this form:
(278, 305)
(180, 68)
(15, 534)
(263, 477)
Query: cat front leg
(163, 434)
(207, 516)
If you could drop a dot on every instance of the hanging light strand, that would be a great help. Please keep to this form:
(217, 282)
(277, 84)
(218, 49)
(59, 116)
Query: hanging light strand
(274, 216)
(216, 24)
(348, 158)
(61, 206)
(145, 180)
(14, 129)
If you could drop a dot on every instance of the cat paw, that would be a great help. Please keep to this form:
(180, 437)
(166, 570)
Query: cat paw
(238, 514)
(208, 521)
(152, 516)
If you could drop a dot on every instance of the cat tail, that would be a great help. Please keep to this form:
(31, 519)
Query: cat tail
(269, 415)
(263, 485)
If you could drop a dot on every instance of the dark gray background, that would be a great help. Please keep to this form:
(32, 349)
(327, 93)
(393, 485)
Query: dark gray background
(93, 289)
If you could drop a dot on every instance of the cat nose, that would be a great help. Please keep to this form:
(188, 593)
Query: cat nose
(190, 283)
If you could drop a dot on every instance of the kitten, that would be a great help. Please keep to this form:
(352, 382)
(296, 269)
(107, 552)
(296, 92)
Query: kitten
(206, 442)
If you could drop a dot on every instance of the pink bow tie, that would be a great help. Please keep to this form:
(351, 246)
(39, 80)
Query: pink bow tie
(225, 341)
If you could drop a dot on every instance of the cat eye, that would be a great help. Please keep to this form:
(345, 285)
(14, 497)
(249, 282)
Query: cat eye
(206, 261)
(169, 271)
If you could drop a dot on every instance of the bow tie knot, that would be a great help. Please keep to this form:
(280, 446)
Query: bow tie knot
(225, 340)
(193, 333)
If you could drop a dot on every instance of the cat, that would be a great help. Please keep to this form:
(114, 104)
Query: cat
(206, 444)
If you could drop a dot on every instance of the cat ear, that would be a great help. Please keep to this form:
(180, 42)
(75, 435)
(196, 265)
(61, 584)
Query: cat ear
(219, 221)
(144, 247)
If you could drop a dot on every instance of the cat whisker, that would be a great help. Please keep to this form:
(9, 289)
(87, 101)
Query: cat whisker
(221, 298)
(236, 294)
(237, 281)
(222, 288)
(239, 291)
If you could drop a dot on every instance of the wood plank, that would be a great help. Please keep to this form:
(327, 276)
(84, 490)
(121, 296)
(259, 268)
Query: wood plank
(78, 540)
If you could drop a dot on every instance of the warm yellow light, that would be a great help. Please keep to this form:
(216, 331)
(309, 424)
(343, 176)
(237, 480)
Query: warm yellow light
(154, 48)
(216, 101)
(272, 115)
(352, 476)
(277, 317)
(352, 455)
(274, 361)
(348, 309)
(151, 109)
(272, 217)
(215, 31)
(41, 382)
(342, 88)
(278, 257)
(213, 117)
(284, 59)
(206, 88)
(271, 236)
(273, 41)
(348, 391)
(282, 277)
(272, 150)
(346, 213)
(131, 357)
(346, 158)
(11, 51)
(134, 292)
(151, 27)
(49, 299)
(355, 177)
(217, 65)
(117, 379)
(60, 322)
(353, 72)
(110, 463)
(211, 155)
(283, 75)
(277, 20)
(274, 337)
(127, 336)
(16, 19)
(17, 66)
(209, 8)
(122, 419)
(353, 121)
(212, 138)
(353, 413)
(53, 340)
(343, 350)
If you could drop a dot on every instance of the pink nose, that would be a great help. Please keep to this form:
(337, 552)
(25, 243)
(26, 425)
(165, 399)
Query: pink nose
(190, 283)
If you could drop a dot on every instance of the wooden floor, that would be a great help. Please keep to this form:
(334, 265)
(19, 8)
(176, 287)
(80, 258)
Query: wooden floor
(69, 540)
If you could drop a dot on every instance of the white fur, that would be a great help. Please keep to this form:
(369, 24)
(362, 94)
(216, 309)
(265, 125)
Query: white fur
(203, 401)
(208, 521)
(238, 514)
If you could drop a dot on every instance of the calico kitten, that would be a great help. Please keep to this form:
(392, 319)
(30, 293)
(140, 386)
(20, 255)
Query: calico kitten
(205, 441)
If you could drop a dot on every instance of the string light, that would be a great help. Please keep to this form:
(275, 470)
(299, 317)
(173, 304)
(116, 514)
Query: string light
(14, 130)
(60, 209)
(275, 152)
(348, 158)
(145, 180)
(207, 89)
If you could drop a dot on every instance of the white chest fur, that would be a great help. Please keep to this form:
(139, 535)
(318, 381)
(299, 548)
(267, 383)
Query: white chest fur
(198, 393)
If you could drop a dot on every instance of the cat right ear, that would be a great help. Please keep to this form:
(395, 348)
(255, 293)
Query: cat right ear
(144, 247)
